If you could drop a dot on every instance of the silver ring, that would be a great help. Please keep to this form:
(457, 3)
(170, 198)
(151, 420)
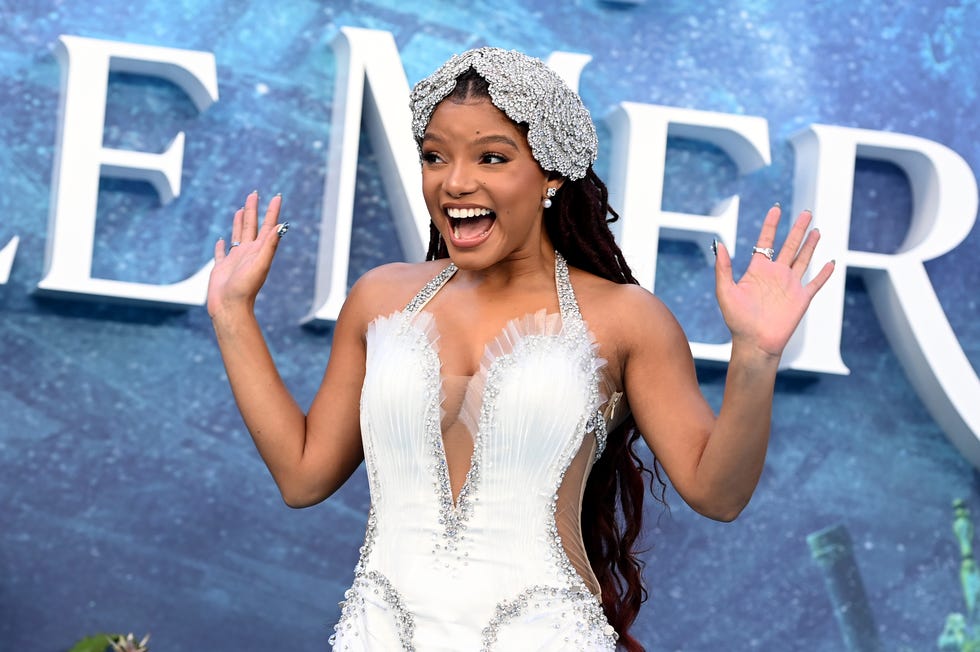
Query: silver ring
(234, 243)
(768, 252)
(282, 228)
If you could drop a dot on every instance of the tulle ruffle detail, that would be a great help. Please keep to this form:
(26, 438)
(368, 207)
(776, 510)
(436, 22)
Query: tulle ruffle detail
(517, 333)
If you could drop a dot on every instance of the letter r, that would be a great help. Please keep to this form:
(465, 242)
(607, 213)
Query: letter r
(944, 192)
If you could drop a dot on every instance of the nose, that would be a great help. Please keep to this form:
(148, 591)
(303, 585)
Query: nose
(459, 180)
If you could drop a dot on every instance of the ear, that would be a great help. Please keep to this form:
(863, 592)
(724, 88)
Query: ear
(555, 181)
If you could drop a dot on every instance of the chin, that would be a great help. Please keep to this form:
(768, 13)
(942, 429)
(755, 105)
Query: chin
(474, 258)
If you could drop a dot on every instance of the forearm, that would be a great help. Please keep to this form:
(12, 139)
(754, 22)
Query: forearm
(275, 421)
(733, 457)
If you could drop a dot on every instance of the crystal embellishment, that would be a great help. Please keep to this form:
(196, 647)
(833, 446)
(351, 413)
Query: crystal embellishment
(560, 129)
(354, 601)
(588, 627)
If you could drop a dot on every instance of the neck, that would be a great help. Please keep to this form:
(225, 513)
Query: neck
(520, 269)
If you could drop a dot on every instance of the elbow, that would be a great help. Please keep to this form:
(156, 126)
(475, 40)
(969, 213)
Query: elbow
(294, 501)
(723, 515)
(301, 486)
(297, 497)
(724, 511)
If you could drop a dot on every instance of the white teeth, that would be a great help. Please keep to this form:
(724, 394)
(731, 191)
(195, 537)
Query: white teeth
(463, 213)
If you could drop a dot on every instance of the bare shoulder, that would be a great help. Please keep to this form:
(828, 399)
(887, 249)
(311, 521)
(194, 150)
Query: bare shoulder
(387, 288)
(627, 303)
(625, 315)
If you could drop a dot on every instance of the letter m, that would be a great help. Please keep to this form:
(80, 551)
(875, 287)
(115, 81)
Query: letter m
(371, 83)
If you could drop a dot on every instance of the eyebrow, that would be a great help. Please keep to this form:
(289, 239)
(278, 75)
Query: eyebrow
(485, 140)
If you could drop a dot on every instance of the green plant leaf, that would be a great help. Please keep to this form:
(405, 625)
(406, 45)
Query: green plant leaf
(97, 643)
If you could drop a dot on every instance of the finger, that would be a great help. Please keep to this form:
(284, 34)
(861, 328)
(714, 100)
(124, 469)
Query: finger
(803, 258)
(767, 236)
(250, 217)
(272, 214)
(236, 225)
(268, 236)
(723, 267)
(219, 250)
(795, 237)
(814, 285)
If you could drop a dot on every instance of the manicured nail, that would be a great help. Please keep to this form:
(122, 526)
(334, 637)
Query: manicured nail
(807, 210)
(714, 247)
(282, 228)
(254, 192)
(278, 194)
(777, 205)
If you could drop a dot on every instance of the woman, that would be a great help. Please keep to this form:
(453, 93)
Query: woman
(482, 394)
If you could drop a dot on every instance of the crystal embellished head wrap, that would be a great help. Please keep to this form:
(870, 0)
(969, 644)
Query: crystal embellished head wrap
(560, 130)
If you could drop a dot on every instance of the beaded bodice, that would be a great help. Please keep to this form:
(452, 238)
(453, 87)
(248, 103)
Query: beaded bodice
(501, 565)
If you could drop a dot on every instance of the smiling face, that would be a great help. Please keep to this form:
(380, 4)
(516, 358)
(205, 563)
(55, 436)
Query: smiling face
(481, 184)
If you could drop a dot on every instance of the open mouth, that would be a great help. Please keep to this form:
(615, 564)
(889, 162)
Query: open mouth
(470, 223)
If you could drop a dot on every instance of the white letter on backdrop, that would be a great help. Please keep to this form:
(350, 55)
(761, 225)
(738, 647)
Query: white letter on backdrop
(569, 66)
(372, 81)
(640, 133)
(944, 193)
(80, 160)
(7, 259)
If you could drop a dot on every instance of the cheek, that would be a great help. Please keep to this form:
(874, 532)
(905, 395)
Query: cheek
(427, 182)
(430, 190)
(523, 211)
(528, 199)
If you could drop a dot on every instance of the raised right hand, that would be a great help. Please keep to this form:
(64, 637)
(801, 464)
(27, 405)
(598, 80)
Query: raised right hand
(239, 273)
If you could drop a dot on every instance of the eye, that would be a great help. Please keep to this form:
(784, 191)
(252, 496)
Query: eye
(493, 158)
(431, 158)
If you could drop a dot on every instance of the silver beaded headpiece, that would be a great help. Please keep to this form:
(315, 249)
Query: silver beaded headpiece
(560, 130)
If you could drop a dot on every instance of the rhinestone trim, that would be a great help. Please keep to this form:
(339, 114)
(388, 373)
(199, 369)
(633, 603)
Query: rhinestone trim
(591, 626)
(451, 516)
(573, 321)
(429, 290)
(354, 601)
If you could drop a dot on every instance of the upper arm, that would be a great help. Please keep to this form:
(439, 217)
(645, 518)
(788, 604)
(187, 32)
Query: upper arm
(662, 388)
(333, 435)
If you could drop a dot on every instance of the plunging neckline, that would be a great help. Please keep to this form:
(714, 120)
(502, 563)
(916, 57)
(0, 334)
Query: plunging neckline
(496, 350)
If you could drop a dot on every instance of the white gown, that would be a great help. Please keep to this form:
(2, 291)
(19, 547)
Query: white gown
(503, 566)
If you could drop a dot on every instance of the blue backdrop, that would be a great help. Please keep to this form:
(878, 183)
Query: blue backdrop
(133, 499)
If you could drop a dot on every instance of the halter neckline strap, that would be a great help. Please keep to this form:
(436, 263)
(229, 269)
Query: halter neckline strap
(567, 303)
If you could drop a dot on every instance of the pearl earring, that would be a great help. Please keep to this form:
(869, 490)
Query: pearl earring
(547, 200)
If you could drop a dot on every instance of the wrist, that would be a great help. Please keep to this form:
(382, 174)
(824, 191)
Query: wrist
(752, 356)
(226, 315)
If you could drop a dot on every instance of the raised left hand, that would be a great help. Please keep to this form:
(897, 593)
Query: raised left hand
(765, 306)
